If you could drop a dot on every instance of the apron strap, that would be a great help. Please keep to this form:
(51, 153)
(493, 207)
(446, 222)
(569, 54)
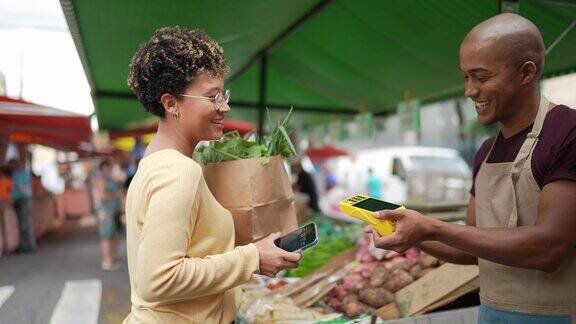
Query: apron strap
(525, 152)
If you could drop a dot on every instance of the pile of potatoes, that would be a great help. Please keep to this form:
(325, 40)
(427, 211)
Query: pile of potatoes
(373, 282)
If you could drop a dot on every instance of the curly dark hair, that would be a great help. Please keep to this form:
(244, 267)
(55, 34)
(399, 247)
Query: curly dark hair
(172, 59)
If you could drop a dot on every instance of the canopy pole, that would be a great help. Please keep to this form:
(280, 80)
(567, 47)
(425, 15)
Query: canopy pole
(560, 37)
(268, 48)
(263, 90)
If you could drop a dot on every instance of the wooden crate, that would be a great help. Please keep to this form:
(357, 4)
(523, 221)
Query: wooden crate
(438, 288)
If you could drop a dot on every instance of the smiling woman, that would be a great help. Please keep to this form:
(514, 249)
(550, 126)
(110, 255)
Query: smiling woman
(182, 262)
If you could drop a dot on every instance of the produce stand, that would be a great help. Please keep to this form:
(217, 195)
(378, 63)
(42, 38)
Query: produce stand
(43, 217)
(362, 285)
(437, 288)
(75, 202)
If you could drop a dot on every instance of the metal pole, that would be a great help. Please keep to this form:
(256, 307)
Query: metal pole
(268, 48)
(263, 89)
(560, 37)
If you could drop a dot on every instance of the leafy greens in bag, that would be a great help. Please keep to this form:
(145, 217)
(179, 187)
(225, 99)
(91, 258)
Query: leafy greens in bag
(233, 147)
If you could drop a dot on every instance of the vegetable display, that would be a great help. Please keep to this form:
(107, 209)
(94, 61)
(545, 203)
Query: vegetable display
(331, 241)
(374, 281)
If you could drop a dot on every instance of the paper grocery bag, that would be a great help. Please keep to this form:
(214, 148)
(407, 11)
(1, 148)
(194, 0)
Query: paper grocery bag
(259, 196)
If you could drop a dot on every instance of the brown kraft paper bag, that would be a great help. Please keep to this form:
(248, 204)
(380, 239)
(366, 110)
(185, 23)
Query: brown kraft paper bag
(259, 196)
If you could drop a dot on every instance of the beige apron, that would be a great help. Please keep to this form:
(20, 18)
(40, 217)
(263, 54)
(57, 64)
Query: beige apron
(507, 196)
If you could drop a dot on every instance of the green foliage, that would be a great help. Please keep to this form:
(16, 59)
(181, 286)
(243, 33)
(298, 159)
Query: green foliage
(233, 147)
(331, 241)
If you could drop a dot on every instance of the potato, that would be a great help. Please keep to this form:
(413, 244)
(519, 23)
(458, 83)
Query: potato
(350, 298)
(379, 276)
(388, 265)
(391, 285)
(415, 271)
(402, 277)
(428, 261)
(398, 280)
(367, 268)
(375, 296)
(401, 263)
(353, 307)
(334, 302)
(350, 281)
(363, 284)
(340, 291)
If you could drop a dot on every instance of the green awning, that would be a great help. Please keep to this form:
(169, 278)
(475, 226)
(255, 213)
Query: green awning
(327, 56)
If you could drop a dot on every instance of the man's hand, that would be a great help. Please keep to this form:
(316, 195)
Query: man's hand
(411, 229)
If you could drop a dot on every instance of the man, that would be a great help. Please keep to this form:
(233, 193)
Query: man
(521, 221)
(21, 195)
(305, 184)
(374, 185)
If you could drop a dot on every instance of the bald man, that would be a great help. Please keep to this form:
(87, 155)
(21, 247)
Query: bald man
(521, 220)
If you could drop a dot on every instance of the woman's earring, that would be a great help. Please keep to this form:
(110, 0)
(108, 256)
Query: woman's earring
(176, 114)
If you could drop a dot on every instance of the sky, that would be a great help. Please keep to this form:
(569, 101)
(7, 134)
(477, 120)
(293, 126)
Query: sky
(38, 57)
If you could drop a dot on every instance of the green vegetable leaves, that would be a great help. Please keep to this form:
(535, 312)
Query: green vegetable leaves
(233, 147)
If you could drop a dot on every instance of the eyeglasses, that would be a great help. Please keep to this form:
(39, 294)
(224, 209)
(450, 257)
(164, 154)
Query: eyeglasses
(219, 99)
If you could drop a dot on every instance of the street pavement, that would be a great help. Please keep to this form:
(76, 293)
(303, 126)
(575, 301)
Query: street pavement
(62, 283)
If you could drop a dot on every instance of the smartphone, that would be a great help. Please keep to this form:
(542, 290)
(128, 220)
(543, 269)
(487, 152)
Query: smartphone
(299, 239)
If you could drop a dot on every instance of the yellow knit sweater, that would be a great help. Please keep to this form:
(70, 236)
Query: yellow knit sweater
(181, 257)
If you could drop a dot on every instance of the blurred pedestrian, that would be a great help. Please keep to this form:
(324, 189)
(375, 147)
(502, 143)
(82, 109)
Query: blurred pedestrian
(306, 184)
(21, 199)
(374, 185)
(108, 211)
(330, 180)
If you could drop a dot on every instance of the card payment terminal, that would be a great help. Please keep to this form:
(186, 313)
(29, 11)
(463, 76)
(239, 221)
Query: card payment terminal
(363, 208)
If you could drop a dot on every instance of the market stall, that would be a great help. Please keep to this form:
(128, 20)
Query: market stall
(344, 279)
(298, 54)
(24, 123)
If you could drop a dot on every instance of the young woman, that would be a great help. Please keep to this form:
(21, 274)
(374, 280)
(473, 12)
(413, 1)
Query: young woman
(182, 262)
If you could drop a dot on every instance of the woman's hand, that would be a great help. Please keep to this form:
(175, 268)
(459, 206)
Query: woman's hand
(273, 259)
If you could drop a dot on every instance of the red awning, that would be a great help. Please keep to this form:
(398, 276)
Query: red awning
(229, 125)
(25, 122)
(322, 153)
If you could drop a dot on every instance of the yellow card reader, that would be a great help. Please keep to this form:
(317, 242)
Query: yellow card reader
(363, 208)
